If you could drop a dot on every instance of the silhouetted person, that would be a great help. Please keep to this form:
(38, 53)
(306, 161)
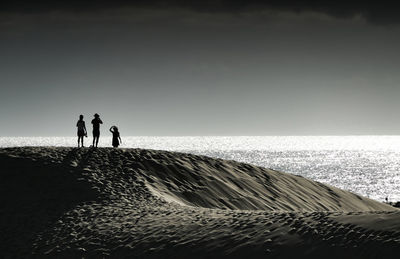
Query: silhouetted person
(116, 140)
(81, 129)
(96, 129)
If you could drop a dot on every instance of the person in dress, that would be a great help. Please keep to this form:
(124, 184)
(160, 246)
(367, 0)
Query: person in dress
(116, 140)
(81, 130)
(96, 129)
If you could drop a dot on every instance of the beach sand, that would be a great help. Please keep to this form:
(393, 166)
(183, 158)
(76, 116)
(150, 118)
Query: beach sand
(135, 203)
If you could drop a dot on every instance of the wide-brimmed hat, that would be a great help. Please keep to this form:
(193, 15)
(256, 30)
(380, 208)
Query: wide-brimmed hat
(96, 115)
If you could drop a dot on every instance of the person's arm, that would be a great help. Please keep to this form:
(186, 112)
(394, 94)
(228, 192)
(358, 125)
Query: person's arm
(84, 127)
(120, 140)
(111, 129)
(100, 121)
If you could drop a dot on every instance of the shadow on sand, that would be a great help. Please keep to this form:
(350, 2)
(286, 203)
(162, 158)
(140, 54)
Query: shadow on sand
(33, 196)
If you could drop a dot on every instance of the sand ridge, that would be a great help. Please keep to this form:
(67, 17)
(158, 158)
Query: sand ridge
(155, 204)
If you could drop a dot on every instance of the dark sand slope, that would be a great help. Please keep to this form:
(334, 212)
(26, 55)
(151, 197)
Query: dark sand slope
(94, 203)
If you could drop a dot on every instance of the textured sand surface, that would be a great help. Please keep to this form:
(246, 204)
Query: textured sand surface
(133, 203)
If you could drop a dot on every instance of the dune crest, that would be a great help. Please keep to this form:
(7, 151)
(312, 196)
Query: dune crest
(145, 203)
(215, 183)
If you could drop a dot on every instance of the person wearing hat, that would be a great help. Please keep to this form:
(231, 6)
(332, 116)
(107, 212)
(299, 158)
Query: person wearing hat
(96, 129)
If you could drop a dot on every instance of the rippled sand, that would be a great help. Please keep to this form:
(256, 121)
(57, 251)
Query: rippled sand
(94, 203)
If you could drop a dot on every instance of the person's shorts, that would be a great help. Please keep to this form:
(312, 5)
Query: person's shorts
(96, 133)
(81, 133)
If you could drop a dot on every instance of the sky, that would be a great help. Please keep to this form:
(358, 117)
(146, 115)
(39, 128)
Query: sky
(173, 68)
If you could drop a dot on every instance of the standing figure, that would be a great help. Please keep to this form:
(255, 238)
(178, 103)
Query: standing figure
(81, 129)
(96, 129)
(116, 140)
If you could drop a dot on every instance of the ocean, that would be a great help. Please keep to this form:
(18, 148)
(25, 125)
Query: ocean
(366, 165)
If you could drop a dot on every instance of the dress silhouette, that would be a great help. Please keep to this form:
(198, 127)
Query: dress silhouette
(81, 130)
(96, 129)
(116, 140)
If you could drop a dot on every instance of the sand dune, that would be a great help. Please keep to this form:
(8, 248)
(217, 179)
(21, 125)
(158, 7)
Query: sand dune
(133, 203)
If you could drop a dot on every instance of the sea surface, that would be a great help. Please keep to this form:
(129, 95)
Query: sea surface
(366, 165)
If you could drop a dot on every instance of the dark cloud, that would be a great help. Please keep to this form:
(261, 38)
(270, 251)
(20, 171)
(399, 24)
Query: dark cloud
(377, 12)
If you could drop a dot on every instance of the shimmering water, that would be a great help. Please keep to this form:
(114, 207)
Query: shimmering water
(367, 165)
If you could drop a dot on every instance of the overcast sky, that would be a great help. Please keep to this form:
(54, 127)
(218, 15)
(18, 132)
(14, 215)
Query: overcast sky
(200, 67)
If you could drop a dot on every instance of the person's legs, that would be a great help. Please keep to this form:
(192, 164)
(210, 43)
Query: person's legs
(96, 135)
(80, 139)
